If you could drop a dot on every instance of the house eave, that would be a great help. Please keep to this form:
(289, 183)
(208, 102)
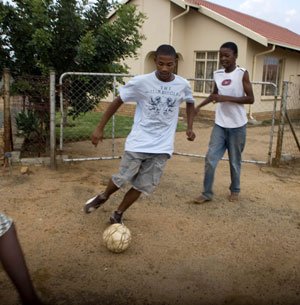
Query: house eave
(233, 25)
(180, 3)
(114, 11)
(287, 46)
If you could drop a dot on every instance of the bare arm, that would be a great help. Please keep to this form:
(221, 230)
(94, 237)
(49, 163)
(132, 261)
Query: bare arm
(208, 100)
(98, 133)
(190, 109)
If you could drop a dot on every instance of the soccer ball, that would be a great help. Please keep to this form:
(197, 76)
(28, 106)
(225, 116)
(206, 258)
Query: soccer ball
(117, 237)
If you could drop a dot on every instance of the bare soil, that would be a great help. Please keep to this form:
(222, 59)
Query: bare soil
(181, 253)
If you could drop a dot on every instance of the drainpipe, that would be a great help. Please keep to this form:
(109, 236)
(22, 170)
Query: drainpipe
(172, 23)
(254, 71)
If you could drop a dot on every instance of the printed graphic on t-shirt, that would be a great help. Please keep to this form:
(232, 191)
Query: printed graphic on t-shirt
(162, 105)
(170, 105)
(155, 104)
(226, 82)
(163, 102)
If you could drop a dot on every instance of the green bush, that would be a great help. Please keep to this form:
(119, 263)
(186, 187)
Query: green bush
(28, 123)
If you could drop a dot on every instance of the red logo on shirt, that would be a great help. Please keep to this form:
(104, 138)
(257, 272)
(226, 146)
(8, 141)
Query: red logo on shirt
(226, 82)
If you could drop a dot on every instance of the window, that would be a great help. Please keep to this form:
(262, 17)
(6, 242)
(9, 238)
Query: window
(272, 72)
(206, 63)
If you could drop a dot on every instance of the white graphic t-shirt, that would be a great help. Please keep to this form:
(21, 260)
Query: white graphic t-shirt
(156, 115)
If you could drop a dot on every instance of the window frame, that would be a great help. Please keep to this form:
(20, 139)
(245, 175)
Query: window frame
(270, 64)
(203, 87)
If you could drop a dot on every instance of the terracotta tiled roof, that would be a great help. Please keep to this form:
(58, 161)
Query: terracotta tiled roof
(272, 32)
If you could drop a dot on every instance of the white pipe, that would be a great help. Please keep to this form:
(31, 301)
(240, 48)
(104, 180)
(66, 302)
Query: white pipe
(172, 23)
(254, 71)
(90, 159)
(224, 159)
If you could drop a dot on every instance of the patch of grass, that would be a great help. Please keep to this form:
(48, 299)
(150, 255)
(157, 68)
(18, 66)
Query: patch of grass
(82, 127)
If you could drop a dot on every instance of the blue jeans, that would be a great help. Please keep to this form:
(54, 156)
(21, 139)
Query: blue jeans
(232, 139)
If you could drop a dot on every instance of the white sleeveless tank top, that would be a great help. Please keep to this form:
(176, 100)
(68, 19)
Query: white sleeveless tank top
(228, 114)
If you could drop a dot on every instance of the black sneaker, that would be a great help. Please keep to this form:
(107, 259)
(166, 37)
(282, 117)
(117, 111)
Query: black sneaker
(116, 217)
(94, 203)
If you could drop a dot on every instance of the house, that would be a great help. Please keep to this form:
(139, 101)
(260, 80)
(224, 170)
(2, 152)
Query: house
(197, 28)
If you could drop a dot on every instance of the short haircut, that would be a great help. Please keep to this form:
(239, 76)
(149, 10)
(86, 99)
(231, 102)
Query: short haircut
(166, 49)
(230, 45)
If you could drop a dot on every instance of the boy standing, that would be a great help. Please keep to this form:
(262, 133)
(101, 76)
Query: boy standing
(232, 90)
(150, 143)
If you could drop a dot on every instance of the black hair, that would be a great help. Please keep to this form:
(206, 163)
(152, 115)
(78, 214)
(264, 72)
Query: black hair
(230, 45)
(166, 49)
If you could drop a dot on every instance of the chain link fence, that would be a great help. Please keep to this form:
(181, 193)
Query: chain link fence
(260, 133)
(24, 107)
(84, 96)
(288, 139)
(83, 99)
(80, 99)
(30, 114)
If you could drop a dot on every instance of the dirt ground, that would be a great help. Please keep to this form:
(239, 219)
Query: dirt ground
(181, 253)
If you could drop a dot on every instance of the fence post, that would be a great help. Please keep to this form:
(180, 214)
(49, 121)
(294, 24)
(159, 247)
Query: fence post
(52, 122)
(281, 124)
(272, 126)
(7, 138)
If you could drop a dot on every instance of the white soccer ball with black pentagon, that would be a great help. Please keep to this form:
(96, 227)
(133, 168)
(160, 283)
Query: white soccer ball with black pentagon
(117, 237)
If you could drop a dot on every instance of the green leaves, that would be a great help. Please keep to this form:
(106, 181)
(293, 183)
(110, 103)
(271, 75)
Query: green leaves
(67, 35)
(28, 123)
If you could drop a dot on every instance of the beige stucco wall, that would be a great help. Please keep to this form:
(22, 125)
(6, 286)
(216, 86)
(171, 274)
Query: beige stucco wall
(196, 32)
(167, 23)
(202, 34)
(256, 54)
(156, 28)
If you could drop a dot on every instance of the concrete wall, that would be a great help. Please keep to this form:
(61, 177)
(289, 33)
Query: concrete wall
(189, 32)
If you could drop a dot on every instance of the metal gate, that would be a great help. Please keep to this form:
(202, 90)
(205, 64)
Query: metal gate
(81, 97)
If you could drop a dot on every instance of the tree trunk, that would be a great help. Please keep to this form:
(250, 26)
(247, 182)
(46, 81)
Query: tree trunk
(7, 137)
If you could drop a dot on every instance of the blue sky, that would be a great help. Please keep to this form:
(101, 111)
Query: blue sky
(285, 13)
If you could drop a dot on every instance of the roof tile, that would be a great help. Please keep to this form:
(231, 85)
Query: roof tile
(272, 32)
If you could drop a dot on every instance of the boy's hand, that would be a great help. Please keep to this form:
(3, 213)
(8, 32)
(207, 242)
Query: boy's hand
(217, 98)
(97, 136)
(190, 135)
